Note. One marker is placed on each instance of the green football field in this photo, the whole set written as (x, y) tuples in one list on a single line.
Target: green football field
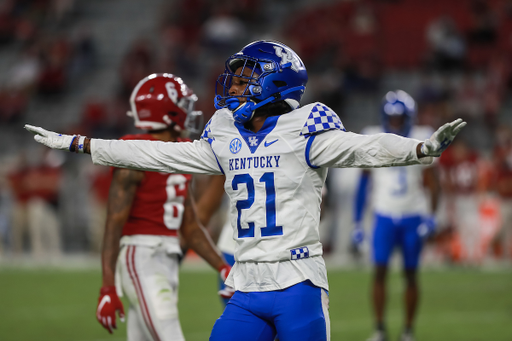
[(460, 304)]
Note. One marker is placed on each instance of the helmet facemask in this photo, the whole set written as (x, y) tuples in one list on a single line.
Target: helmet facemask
[(239, 71)]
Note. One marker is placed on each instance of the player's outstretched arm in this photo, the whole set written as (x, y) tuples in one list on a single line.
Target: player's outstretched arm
[(341, 149), (185, 157)]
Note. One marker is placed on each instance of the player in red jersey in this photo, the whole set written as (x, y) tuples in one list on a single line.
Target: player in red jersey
[(146, 212)]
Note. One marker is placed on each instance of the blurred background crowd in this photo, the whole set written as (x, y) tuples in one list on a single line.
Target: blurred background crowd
[(70, 66)]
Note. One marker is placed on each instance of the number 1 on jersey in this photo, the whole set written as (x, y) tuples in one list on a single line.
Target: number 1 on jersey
[(270, 205), (271, 229)]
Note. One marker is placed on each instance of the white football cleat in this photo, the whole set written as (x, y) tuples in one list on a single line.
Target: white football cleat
[(406, 337), (378, 336)]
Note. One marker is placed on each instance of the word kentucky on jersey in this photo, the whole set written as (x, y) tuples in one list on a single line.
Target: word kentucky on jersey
[(271, 161)]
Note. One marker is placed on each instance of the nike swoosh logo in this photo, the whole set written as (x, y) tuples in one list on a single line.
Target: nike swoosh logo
[(104, 300), (269, 143)]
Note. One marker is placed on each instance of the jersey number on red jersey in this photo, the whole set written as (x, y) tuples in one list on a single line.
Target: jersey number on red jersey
[(174, 206)]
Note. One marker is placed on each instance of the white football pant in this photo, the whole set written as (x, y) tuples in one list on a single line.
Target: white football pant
[(148, 276)]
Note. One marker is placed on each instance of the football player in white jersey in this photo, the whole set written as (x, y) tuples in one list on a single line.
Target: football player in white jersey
[(404, 215), (275, 155)]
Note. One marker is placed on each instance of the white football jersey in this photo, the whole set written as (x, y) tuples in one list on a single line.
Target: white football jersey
[(226, 243), (399, 191), (274, 180)]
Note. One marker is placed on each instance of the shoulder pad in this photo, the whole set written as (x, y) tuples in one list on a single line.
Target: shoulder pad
[(321, 118)]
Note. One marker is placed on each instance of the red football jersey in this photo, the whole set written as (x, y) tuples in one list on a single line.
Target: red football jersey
[(158, 205)]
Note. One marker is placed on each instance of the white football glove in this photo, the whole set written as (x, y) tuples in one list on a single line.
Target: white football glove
[(227, 292), (442, 138), (51, 139)]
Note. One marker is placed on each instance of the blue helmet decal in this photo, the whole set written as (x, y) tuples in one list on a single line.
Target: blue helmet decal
[(268, 71), (398, 104)]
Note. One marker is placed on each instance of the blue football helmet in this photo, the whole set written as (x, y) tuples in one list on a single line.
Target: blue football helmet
[(271, 71), (400, 107)]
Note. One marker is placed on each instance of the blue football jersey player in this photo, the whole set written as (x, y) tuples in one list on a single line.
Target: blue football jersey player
[(275, 155), (404, 212)]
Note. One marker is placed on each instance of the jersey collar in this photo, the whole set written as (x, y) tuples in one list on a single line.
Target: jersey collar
[(252, 139)]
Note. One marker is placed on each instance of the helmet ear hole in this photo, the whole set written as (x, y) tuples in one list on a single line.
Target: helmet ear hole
[(172, 113), (279, 84)]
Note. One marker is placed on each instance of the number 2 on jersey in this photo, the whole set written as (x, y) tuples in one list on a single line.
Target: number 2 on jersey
[(270, 205)]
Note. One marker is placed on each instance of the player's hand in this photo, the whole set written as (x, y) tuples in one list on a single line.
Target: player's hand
[(442, 138), (427, 227), (108, 304), (357, 240), (357, 235), (51, 139), (227, 292)]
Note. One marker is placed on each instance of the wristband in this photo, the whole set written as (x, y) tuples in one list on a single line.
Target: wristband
[(423, 149), (108, 290), (71, 145), (80, 146)]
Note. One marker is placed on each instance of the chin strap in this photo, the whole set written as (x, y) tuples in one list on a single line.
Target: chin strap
[(243, 112)]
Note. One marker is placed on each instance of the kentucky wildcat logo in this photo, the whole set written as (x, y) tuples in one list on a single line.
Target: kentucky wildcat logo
[(288, 57)]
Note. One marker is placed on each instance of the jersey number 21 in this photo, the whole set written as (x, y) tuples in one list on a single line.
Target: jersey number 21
[(270, 203)]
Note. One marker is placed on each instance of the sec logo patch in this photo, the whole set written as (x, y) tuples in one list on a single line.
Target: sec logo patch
[(235, 145)]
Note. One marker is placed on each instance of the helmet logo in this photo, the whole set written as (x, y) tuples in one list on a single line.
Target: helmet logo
[(288, 57), (172, 92), (144, 113), (235, 145), (167, 119)]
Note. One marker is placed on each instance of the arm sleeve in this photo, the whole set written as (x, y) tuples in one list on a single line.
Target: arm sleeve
[(361, 193), (171, 157), (340, 149)]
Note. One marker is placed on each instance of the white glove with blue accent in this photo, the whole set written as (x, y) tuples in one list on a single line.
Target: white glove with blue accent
[(51, 139), (357, 235), (427, 227), (442, 137)]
